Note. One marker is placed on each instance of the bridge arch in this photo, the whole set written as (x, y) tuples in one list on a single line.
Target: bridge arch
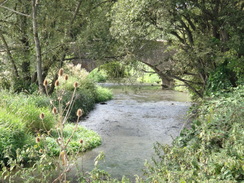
[(152, 53)]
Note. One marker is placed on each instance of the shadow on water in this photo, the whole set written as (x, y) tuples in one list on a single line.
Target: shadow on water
[(130, 124)]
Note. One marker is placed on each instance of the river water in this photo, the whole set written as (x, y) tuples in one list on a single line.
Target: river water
[(130, 124)]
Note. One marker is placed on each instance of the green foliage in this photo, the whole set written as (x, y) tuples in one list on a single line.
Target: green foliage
[(28, 109), (219, 80), (82, 140), (98, 76), (211, 150), (87, 93), (13, 135), (202, 35), (84, 98), (20, 121), (103, 94), (42, 170), (115, 70)]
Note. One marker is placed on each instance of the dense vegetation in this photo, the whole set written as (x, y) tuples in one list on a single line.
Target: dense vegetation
[(35, 125), (212, 150), (204, 44)]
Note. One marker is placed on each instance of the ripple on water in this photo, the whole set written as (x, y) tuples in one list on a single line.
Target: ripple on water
[(129, 126)]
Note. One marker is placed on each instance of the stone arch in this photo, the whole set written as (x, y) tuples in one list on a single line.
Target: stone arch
[(152, 53)]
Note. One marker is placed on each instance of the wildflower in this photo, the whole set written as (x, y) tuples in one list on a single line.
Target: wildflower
[(66, 77), (41, 151), (75, 84), (61, 72), (42, 116), (55, 111), (38, 139), (79, 112), (45, 83), (57, 83)]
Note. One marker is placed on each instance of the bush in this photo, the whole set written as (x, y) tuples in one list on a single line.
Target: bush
[(212, 150), (82, 140), (103, 94), (84, 98), (98, 76), (87, 94)]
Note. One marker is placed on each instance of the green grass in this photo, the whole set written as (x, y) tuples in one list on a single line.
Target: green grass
[(13, 135), (20, 124), (89, 140)]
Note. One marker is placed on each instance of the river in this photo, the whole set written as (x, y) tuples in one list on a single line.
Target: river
[(130, 124)]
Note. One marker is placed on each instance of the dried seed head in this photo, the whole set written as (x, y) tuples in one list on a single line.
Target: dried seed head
[(55, 111), (57, 83), (38, 139), (79, 113), (51, 102), (42, 116), (45, 83), (81, 141), (75, 84), (41, 151), (59, 98), (61, 72), (67, 103), (66, 77)]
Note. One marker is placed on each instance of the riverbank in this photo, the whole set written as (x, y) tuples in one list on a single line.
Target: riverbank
[(36, 128), (212, 150)]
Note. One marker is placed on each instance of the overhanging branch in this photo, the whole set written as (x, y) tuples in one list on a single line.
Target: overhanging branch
[(14, 11)]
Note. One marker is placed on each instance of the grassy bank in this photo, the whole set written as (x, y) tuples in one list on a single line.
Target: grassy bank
[(34, 128)]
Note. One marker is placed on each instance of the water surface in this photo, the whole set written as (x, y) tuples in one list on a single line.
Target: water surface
[(129, 126)]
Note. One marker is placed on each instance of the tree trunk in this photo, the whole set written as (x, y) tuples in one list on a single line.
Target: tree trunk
[(15, 70), (37, 47)]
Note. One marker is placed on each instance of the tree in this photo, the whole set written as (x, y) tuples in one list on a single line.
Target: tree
[(47, 27), (204, 35), (37, 46)]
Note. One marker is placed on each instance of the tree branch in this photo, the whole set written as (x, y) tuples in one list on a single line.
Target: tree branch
[(76, 12), (9, 55), (14, 11)]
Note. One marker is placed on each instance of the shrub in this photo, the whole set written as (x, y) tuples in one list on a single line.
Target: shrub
[(212, 150), (82, 140), (98, 76), (84, 97), (103, 94)]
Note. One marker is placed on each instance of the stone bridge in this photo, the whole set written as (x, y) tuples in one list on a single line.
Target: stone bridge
[(151, 53)]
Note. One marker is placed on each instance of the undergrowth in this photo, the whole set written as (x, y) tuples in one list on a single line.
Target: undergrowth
[(212, 150)]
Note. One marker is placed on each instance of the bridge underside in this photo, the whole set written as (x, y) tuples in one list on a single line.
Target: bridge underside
[(152, 53)]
